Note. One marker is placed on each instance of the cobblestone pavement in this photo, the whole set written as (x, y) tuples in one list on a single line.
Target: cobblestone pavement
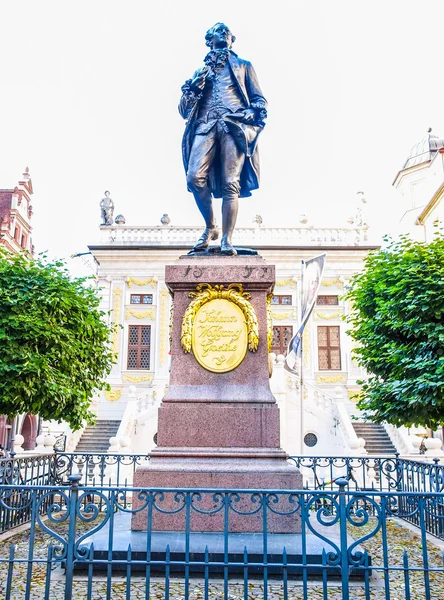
[(399, 539)]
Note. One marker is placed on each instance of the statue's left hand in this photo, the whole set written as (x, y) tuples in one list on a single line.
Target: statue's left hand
[(249, 116)]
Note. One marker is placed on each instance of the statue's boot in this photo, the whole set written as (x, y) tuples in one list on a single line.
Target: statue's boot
[(226, 247), (229, 216), (210, 234), (205, 205)]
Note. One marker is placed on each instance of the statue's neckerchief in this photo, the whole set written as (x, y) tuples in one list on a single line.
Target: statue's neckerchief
[(216, 59)]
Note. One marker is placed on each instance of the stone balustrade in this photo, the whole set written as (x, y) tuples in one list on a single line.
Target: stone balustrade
[(243, 236)]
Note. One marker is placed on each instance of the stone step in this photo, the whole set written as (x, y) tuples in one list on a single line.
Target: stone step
[(96, 449), (368, 425), (376, 429), (95, 438), (377, 440), (374, 435), (100, 437), (104, 425), (371, 442), (102, 432), (91, 441), (371, 431)]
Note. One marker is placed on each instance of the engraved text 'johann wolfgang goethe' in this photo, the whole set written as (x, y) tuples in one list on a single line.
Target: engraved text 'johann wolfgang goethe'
[(220, 337), (214, 335)]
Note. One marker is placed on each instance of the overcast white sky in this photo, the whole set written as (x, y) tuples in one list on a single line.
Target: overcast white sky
[(90, 91)]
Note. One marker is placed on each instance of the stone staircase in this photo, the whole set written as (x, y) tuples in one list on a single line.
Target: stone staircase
[(95, 438), (377, 440)]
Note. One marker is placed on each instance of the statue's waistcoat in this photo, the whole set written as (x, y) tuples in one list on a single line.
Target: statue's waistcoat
[(221, 94)]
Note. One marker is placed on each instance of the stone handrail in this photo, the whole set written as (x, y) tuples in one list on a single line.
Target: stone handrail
[(136, 405), (335, 405), (355, 444), (400, 441), (116, 235), (320, 397), (73, 438), (123, 434)]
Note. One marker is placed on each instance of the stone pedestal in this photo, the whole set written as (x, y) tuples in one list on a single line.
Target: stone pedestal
[(219, 430)]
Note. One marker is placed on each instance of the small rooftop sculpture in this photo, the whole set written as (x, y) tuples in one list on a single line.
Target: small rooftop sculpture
[(107, 209)]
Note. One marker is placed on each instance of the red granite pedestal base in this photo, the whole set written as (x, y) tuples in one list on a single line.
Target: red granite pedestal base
[(219, 430)]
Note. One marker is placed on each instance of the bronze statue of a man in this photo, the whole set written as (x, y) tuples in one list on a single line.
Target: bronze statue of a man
[(225, 112)]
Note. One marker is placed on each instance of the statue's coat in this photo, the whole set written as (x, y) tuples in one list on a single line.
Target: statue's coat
[(245, 135)]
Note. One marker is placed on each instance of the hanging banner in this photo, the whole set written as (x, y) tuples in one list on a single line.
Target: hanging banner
[(311, 282)]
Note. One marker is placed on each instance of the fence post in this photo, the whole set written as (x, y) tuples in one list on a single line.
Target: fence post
[(436, 481), (342, 482), (398, 469), (399, 484), (72, 509), (9, 479)]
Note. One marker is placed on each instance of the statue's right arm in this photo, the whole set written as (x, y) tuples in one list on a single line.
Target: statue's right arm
[(190, 97)]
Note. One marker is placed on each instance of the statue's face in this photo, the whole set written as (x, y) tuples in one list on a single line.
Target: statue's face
[(222, 37)]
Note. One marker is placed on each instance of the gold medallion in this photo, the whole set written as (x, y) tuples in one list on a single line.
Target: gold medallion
[(220, 336)]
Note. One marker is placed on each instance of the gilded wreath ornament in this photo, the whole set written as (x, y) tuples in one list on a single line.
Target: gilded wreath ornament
[(234, 293), (269, 322)]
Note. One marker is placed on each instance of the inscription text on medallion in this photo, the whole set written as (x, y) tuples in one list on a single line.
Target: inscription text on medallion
[(220, 336)]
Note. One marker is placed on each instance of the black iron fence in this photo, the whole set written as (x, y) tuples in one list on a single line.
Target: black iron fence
[(90, 542), (98, 469), (362, 473), (26, 471), (381, 473)]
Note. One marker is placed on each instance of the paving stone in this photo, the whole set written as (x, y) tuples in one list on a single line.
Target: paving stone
[(399, 538)]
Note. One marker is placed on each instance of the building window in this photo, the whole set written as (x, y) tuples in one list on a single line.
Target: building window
[(327, 300), (17, 235), (281, 299), (310, 439), (23, 241), (329, 349), (141, 299), (282, 335), (139, 342)]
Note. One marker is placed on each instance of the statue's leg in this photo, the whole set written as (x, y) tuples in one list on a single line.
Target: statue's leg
[(232, 161), (201, 158)]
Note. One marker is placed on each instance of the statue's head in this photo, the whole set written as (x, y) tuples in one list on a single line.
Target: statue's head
[(219, 36)]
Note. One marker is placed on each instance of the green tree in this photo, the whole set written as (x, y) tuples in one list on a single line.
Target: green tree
[(54, 343), (397, 321)]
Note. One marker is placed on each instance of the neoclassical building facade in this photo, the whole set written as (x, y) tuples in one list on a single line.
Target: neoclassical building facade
[(15, 236), (131, 278)]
